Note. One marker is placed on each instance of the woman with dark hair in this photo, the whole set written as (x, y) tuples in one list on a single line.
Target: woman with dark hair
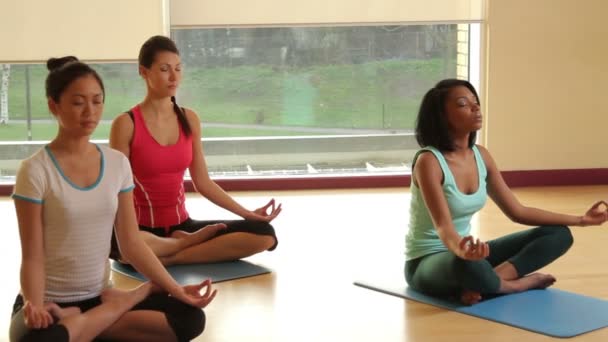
[(162, 140), (68, 196), (451, 179)]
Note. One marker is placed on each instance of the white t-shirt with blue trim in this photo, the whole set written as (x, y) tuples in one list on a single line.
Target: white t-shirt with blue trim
[(77, 222)]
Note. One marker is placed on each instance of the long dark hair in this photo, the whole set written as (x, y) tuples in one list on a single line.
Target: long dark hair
[(63, 71), (147, 54), (431, 123)]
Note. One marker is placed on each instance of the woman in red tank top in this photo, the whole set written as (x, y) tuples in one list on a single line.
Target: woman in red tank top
[(162, 140)]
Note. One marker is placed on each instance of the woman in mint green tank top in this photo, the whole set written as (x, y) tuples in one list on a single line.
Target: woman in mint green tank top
[(451, 179)]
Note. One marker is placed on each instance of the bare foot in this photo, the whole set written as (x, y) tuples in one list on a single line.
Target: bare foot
[(60, 313), (531, 281), (539, 280), (166, 260), (122, 298), (112, 294), (468, 297), (199, 236), (123, 261)]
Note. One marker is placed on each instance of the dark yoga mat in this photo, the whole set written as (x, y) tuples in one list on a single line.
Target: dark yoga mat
[(195, 273)]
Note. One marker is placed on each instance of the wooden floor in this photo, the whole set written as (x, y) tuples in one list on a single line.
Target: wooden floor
[(328, 239)]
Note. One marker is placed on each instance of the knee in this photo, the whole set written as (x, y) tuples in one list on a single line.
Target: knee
[(564, 237), (559, 236), (265, 231), (476, 275), (465, 270), (197, 326), (55, 332), (463, 266), (189, 324), (194, 325), (268, 243), (266, 239)]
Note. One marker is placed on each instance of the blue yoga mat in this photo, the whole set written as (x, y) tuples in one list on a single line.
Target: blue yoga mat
[(550, 312), (195, 273)]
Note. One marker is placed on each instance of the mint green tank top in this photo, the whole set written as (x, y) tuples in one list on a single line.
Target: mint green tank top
[(422, 238)]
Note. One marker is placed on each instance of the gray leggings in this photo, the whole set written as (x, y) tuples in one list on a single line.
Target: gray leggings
[(445, 274)]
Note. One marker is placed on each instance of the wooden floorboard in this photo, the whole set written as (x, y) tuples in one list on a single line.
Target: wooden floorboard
[(328, 239)]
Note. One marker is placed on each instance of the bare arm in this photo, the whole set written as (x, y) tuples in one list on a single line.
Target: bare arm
[(121, 134), (135, 249), (200, 175), (429, 178), (502, 195), (143, 259), (29, 216)]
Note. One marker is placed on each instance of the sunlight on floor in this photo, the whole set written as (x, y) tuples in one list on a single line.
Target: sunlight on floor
[(327, 240)]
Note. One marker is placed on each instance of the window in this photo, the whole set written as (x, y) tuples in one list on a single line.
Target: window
[(315, 100), (25, 121), (275, 101)]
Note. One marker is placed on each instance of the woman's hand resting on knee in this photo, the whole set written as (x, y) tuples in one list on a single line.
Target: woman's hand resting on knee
[(191, 294), (596, 215), (471, 249), (262, 214), (36, 317)]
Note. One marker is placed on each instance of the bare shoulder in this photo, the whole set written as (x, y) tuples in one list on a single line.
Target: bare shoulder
[(484, 151), (426, 159), (192, 116), (487, 157), (427, 165), (193, 120), (123, 121), (121, 132)]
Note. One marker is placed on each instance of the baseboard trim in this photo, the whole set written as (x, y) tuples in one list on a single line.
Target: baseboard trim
[(310, 183), (521, 178), (556, 177)]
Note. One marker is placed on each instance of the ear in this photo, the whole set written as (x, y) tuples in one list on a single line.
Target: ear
[(143, 72), (53, 106)]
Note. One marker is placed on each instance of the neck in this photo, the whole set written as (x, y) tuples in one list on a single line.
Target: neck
[(461, 143), (158, 106), (70, 144)]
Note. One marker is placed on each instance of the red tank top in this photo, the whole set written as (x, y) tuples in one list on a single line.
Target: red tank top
[(158, 173)]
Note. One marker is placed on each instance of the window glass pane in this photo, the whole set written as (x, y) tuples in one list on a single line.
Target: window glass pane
[(26, 98), (352, 91), (26, 122), (328, 80), (275, 101)]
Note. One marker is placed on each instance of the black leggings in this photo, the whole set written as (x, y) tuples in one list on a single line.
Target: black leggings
[(445, 274), (190, 226), (186, 321)]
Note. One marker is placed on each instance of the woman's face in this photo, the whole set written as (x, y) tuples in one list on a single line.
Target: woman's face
[(462, 111), (164, 75), (80, 106)]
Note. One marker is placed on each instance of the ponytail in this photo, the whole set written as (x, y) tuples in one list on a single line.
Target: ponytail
[(181, 117)]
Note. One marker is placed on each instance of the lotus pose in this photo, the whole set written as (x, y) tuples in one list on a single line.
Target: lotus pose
[(451, 179), (162, 140), (68, 196)]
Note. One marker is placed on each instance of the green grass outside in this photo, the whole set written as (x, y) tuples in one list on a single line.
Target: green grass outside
[(42, 131), (123, 87), (374, 95)]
